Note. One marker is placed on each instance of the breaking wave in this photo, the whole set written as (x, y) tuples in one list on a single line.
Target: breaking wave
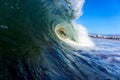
[(39, 40)]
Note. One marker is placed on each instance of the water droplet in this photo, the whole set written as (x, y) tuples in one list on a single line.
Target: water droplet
[(6, 4), (3, 26), (18, 7), (12, 7)]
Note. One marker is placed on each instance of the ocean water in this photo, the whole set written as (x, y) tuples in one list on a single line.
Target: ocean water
[(104, 60), (40, 40)]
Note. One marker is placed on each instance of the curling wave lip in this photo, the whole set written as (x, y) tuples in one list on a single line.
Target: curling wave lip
[(74, 35), (76, 6)]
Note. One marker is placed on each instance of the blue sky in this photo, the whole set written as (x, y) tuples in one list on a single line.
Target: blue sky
[(101, 16)]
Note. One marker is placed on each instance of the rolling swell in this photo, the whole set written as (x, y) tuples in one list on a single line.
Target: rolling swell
[(33, 44)]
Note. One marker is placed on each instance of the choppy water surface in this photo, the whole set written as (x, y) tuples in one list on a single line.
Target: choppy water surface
[(109, 50), (104, 60)]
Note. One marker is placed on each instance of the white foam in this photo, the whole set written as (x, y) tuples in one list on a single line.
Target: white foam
[(75, 35), (76, 6), (82, 36)]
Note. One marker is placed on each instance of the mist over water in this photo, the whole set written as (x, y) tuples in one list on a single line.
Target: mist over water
[(39, 40)]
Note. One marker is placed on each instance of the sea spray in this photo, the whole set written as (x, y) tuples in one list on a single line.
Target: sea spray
[(82, 36), (74, 35), (39, 43), (30, 48), (76, 7)]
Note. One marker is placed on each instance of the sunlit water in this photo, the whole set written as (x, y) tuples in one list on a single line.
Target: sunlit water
[(39, 40), (109, 50), (104, 60)]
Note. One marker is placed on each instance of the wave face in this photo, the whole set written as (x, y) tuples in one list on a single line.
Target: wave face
[(40, 41)]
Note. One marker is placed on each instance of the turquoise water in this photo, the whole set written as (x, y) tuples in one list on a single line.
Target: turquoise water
[(39, 40)]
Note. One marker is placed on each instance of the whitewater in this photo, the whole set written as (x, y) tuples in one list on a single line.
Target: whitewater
[(40, 40)]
